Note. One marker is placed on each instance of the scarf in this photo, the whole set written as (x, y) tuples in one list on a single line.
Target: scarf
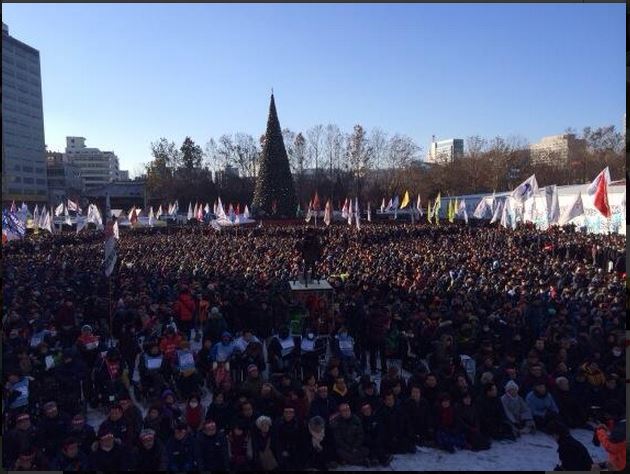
[(317, 438), (113, 368), (193, 416)]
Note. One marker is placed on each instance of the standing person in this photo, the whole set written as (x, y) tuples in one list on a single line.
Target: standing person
[(212, 448), (349, 438), (573, 455), (263, 456), (185, 309), (378, 325), (71, 458)]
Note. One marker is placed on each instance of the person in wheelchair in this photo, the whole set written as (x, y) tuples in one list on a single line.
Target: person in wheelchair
[(343, 349), (312, 348), (154, 371), (284, 352)]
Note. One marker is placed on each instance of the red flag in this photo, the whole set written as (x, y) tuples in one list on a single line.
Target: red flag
[(238, 208), (134, 216), (316, 202), (601, 198)]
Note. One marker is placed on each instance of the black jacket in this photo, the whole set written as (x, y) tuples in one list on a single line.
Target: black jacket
[(212, 452), (118, 459), (418, 417), (573, 455)]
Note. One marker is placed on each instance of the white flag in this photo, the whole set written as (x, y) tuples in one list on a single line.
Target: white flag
[(220, 211), (357, 213), (369, 213), (246, 212), (67, 215), (47, 222), (110, 256), (171, 206), (497, 212), (59, 210), (151, 216), (36, 216), (481, 211), (526, 189), (350, 212), (327, 213), (309, 212), (159, 212), (190, 211), (383, 206), (42, 218), (573, 210), (115, 230), (553, 205), (344, 210), (461, 212)]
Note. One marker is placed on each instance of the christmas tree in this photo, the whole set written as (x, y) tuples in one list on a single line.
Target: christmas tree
[(274, 193)]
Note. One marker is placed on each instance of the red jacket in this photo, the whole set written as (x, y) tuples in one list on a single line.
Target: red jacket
[(184, 307)]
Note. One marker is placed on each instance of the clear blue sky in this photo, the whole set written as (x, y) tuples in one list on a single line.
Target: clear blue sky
[(123, 75)]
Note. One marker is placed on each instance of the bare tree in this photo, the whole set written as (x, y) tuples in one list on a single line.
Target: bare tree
[(333, 147), (211, 155), (245, 154), (314, 136), (299, 150), (359, 155)]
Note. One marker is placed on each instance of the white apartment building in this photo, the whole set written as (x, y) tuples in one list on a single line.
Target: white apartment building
[(98, 168)]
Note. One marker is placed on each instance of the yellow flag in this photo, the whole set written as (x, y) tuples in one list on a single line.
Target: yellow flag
[(405, 200)]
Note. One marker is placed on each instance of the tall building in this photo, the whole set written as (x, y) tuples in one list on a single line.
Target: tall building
[(98, 168), (445, 151), (23, 146), (558, 150)]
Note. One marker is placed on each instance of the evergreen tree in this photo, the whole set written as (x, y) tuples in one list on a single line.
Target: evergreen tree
[(274, 184)]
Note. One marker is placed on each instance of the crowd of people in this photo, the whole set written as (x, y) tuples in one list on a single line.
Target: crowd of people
[(452, 337)]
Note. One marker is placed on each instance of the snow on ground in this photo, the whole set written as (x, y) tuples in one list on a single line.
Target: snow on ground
[(533, 452)]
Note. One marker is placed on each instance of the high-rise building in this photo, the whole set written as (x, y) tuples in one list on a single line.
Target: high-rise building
[(23, 146), (445, 151), (64, 178), (558, 150), (98, 168)]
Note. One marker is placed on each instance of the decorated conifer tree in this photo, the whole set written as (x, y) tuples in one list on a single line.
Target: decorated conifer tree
[(274, 193)]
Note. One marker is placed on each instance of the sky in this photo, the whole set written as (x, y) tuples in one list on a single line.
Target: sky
[(124, 75)]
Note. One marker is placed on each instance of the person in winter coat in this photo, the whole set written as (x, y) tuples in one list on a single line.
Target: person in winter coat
[(156, 421), (131, 414), (239, 447), (449, 432), (264, 458), (269, 401), (349, 438), (494, 422), (542, 405), (52, 430), (69, 374), (119, 426), (83, 433), (573, 455), (288, 441), (212, 448), (150, 455), (193, 413), (219, 411), (108, 455), (283, 352), (18, 439), (468, 415), (71, 458), (417, 413), (320, 447), (323, 405), (30, 460), (185, 308), (180, 450), (614, 443), (396, 435), (373, 436), (572, 414), (516, 410), (377, 327)]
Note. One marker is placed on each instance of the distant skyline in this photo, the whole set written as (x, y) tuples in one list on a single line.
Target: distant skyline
[(124, 75)]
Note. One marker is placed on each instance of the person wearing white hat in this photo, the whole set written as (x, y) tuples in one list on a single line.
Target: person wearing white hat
[(517, 411)]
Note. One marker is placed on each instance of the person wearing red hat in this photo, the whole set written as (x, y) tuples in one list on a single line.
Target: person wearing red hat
[(16, 440), (109, 455), (150, 454)]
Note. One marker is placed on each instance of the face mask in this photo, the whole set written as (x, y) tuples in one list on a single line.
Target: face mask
[(310, 335), (616, 352), (194, 404)]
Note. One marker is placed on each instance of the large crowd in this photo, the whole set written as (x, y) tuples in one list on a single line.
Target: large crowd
[(452, 337)]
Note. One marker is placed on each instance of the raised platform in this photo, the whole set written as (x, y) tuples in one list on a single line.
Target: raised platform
[(315, 285)]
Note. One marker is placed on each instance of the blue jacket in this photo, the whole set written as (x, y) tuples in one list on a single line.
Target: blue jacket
[(540, 406)]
